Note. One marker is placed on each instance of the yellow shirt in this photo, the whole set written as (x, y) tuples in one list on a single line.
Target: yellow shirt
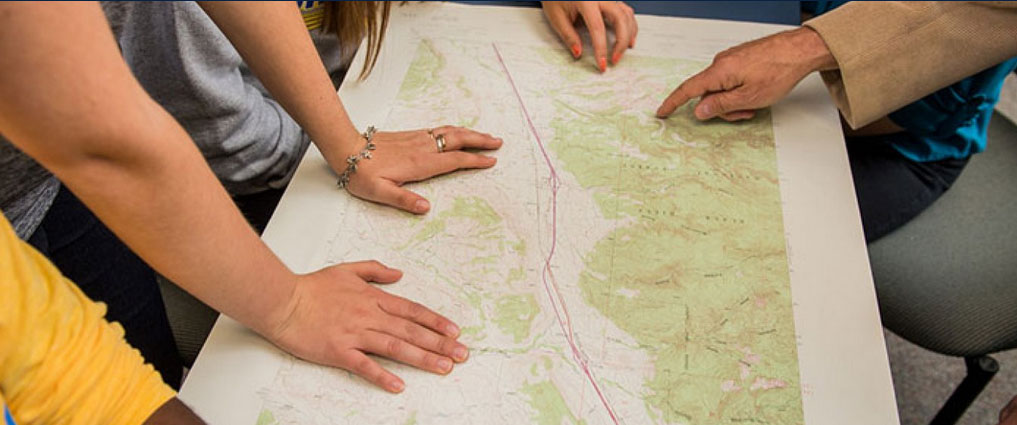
[(60, 361)]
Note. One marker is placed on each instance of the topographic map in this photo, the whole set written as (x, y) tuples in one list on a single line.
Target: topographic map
[(613, 268)]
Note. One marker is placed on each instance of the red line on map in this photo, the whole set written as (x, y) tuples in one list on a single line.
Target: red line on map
[(561, 311)]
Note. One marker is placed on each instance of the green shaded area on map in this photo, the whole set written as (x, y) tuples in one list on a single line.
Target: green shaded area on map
[(696, 270), (547, 400)]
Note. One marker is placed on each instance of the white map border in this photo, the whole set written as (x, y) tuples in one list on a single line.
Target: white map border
[(842, 355)]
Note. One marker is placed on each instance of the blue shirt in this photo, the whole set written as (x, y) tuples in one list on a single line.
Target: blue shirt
[(950, 123), (8, 419)]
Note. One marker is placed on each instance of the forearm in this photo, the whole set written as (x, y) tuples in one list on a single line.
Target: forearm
[(76, 109), (166, 204), (893, 53), (274, 42), (174, 412)]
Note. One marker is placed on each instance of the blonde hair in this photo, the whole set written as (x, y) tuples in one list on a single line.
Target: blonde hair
[(351, 21)]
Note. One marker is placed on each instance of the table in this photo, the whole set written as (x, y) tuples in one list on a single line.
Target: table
[(841, 354)]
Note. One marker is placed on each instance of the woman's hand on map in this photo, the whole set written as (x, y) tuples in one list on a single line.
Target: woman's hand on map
[(564, 15), (335, 317), (408, 156), (751, 76)]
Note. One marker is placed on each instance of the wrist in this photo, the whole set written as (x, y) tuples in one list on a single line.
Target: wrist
[(340, 145), (287, 302), (817, 55)]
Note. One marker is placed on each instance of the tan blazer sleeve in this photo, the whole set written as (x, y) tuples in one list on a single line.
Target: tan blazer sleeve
[(893, 53)]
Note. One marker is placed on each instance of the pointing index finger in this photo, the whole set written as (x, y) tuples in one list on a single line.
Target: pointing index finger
[(694, 87)]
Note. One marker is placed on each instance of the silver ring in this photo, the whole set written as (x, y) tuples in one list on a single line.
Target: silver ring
[(440, 141)]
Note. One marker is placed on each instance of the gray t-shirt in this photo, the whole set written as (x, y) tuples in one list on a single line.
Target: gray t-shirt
[(190, 68), (26, 189)]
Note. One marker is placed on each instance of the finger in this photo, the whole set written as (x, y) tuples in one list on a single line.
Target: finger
[(694, 87), (457, 138), (372, 271), (619, 20), (388, 346), (738, 115), (410, 310), (388, 193), (720, 103), (562, 25), (635, 25), (427, 339), (359, 364), (598, 35), (450, 161)]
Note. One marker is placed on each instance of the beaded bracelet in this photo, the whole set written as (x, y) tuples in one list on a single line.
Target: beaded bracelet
[(352, 160)]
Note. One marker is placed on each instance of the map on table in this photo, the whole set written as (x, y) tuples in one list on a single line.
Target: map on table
[(612, 268)]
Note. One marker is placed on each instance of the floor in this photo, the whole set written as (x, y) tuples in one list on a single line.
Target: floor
[(923, 380)]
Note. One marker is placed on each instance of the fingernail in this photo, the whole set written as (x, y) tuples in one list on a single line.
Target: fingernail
[(602, 63), (616, 58), (460, 353), (451, 330), (396, 386), (422, 205), (444, 365), (576, 50)]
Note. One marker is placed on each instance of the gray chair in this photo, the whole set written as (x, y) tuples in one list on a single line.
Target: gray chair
[(947, 281)]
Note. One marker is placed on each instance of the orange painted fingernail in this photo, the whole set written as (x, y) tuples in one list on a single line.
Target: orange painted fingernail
[(576, 50), (602, 63), (616, 58)]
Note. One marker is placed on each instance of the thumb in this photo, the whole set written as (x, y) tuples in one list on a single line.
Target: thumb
[(388, 193), (720, 103)]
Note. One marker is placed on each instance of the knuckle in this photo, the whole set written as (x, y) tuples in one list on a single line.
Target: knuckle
[(363, 366), (415, 310), (412, 331), (446, 345), (393, 347)]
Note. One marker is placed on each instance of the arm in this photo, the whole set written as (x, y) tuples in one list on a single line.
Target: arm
[(283, 57), (751, 76), (875, 57), (60, 361), (173, 412), (890, 54), (75, 108)]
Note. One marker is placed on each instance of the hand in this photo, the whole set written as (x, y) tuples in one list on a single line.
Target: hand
[(409, 156), (336, 318), (563, 14), (753, 75), (1008, 416)]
